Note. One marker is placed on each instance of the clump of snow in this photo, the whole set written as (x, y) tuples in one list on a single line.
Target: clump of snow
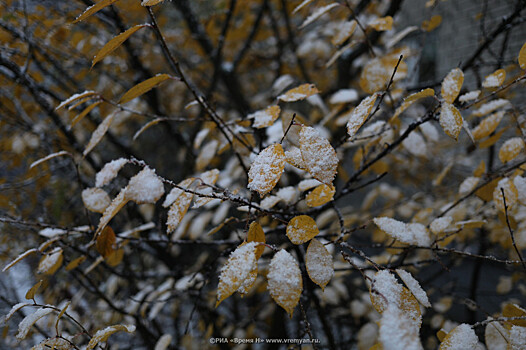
[(50, 232), (95, 199), (398, 331), (109, 171), (413, 233), (145, 187), (415, 288)]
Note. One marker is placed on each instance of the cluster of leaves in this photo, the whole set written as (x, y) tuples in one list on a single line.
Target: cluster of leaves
[(279, 140)]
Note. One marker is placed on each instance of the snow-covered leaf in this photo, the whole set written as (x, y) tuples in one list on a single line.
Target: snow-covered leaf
[(359, 115), (207, 153), (236, 270), (319, 157), (93, 9), (265, 117), (320, 195), (301, 229), (495, 79), (318, 13), (53, 344), (382, 23), (378, 71), (51, 262), (398, 331), (116, 204), (103, 334), (511, 149), (510, 192), (266, 169), (19, 258), (151, 3), (298, 93), (256, 234), (178, 210), (319, 263), (95, 199), (452, 84), (414, 287), (32, 291), (343, 32), (25, 325), (145, 187), (487, 125), (409, 100), (489, 107), (284, 281), (461, 337), (109, 171), (51, 156), (450, 120), (99, 133)]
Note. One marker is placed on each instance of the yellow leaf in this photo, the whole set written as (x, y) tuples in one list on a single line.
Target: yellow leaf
[(487, 126), (115, 257), (383, 23), (452, 84), (441, 334), (522, 57), (99, 133), (298, 93), (343, 32), (301, 229), (495, 79), (62, 312), (249, 282), (147, 126), (461, 334), (51, 262), (266, 117), (144, 87), (19, 258), (266, 169), (284, 281), (510, 192), (409, 100), (116, 204), (514, 310), (359, 115), (450, 120), (32, 291), (93, 9), (178, 210), (256, 234), (319, 263), (490, 141), (115, 43), (319, 157), (103, 334), (511, 149), (76, 97), (84, 113), (429, 25), (236, 270), (75, 263), (105, 242), (320, 195)]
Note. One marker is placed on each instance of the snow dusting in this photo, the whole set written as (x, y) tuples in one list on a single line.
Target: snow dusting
[(318, 155), (319, 263), (359, 115)]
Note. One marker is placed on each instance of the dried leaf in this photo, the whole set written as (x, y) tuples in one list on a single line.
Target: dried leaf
[(103, 334), (319, 157), (266, 169), (409, 100), (99, 133), (298, 93), (320, 195), (144, 87), (511, 149), (236, 270), (51, 156), (75, 263), (319, 263), (94, 9), (284, 281), (301, 229), (32, 291), (105, 242), (115, 43), (256, 234), (115, 257), (450, 120), (359, 115), (266, 117), (452, 84)]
